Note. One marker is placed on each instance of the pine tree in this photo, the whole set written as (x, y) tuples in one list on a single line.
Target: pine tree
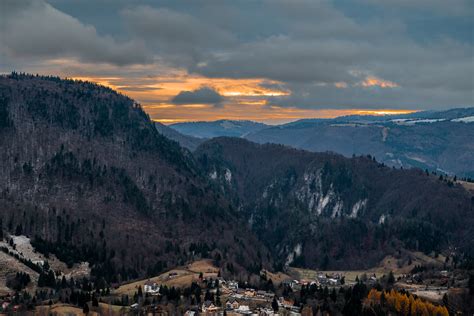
[(471, 284), (85, 309), (95, 302), (333, 295), (275, 304), (391, 278)]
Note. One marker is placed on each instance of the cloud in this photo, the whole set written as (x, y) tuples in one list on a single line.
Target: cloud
[(310, 96), (442, 7), (177, 37), (203, 95), (408, 54), (35, 29)]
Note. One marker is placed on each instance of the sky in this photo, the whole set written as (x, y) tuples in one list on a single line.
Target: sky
[(272, 61)]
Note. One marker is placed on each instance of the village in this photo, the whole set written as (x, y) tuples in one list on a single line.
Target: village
[(231, 297), (198, 288)]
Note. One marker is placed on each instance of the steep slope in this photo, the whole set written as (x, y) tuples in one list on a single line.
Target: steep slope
[(185, 141), (86, 174), (324, 210), (429, 140), (218, 128)]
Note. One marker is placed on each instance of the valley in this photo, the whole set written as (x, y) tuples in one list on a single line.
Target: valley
[(210, 293)]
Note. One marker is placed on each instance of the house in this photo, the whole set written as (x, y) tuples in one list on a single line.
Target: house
[(38, 262), (233, 285), (288, 305), (238, 296), (250, 293), (332, 281), (172, 275), (294, 284), (151, 288), (267, 312), (244, 309), (209, 307), (232, 304), (5, 305)]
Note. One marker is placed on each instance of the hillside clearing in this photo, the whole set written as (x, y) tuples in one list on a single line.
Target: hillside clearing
[(178, 277)]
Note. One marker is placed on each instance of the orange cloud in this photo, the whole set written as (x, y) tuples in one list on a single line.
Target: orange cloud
[(340, 85), (245, 99), (372, 81), (166, 87)]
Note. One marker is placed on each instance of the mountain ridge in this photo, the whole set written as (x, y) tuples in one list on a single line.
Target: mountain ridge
[(204, 129), (295, 200), (438, 141), (86, 174)]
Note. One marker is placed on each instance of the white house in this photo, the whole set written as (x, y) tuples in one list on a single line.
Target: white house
[(151, 288)]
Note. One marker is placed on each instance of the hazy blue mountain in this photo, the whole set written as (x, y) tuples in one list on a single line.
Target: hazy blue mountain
[(442, 141), (185, 141), (229, 128)]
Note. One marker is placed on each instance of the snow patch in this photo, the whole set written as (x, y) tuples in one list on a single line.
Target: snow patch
[(357, 207), (323, 202), (336, 210), (416, 158), (228, 175), (213, 175), (413, 122), (384, 134), (467, 119)]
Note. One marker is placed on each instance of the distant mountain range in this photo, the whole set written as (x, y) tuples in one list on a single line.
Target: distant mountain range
[(230, 128), (439, 141), (187, 141), (89, 177)]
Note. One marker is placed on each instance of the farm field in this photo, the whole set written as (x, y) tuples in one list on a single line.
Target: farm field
[(66, 310), (177, 277)]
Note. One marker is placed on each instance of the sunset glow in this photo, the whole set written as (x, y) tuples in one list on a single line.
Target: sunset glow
[(245, 100), (372, 81)]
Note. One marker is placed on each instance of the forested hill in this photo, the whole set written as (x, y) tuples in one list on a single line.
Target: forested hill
[(86, 174), (323, 210)]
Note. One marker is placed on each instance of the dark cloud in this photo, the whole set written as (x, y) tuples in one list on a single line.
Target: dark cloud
[(372, 97), (320, 51), (204, 95), (35, 29), (177, 37), (440, 7)]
